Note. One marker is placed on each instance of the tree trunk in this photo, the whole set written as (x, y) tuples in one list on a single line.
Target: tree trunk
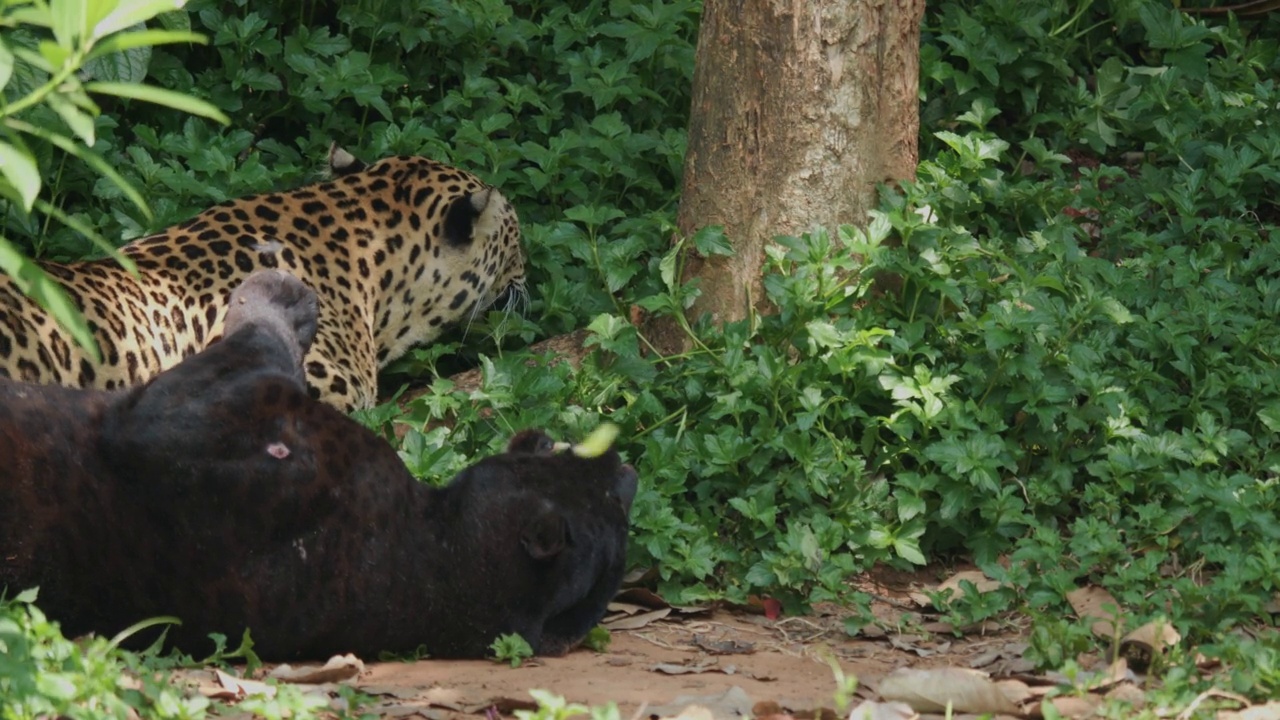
[(799, 108)]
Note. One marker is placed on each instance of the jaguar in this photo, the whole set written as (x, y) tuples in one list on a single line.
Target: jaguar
[(220, 492), (396, 251)]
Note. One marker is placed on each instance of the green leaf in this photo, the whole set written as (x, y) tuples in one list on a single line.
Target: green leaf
[(21, 171), (87, 231), (37, 15), (1118, 313), (80, 122), (710, 240), (67, 21), (175, 20), (160, 96), (667, 267), (129, 66), (32, 280), (1270, 416), (909, 549), (90, 157), (145, 38), (55, 55), (598, 639), (56, 686), (6, 64), (133, 12)]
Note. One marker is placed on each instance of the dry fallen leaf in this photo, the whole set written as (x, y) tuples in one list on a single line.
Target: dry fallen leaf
[(691, 669), (634, 622), (1128, 693), (394, 691), (912, 643), (723, 647), (871, 710), (1190, 710), (1097, 604), (1075, 706), (1269, 711), (1017, 691), (1148, 642), (625, 608), (693, 712), (337, 669), (731, 704), (967, 691), (239, 688), (502, 706), (706, 665), (980, 581)]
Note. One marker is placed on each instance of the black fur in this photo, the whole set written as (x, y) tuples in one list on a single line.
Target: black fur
[(221, 493), (460, 217)]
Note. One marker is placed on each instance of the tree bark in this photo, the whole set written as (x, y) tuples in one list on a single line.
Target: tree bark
[(800, 107)]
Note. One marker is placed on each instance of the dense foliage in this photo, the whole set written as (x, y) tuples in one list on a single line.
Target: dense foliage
[(1067, 371), (1054, 352)]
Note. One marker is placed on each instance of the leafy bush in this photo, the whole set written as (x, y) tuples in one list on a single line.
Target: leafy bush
[(1053, 352)]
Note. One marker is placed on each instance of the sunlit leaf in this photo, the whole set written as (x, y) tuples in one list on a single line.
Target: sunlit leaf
[(21, 172), (55, 55), (67, 21), (80, 122), (145, 38), (160, 96), (132, 12), (667, 267), (6, 64)]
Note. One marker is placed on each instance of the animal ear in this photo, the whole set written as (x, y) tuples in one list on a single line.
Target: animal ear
[(546, 535), (534, 442), (342, 162), (624, 486), (466, 213)]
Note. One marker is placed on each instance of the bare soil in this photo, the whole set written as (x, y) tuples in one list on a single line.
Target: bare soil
[(653, 671)]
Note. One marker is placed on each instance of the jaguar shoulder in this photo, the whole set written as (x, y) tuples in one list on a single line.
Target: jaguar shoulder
[(396, 251)]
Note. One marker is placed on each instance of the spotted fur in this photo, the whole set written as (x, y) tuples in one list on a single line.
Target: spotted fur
[(396, 251)]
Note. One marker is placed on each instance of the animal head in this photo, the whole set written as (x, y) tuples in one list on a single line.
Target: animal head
[(552, 528), (450, 243)]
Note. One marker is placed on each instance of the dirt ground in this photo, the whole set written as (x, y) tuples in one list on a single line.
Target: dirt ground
[(724, 660)]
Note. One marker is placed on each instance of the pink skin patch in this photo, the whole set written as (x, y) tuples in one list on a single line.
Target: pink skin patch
[(278, 450)]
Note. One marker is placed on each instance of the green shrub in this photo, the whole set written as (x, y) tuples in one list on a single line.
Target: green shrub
[(1075, 370)]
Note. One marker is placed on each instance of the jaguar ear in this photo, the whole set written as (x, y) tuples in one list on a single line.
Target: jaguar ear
[(477, 214), (534, 442), (545, 535), (342, 162)]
